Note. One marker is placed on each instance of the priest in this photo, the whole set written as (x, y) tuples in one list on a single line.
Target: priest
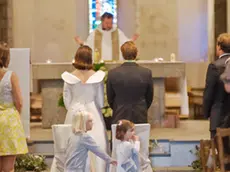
[(106, 39)]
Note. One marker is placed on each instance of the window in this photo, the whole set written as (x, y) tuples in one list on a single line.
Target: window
[(97, 8)]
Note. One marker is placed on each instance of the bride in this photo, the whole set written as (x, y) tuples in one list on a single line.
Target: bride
[(84, 90)]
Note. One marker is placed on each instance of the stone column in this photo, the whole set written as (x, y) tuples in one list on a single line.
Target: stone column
[(10, 22), (228, 16), (220, 18), (157, 108), (51, 113), (211, 30), (3, 20), (6, 22)]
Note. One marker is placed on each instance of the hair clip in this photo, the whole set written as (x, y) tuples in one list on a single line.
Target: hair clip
[(120, 123)]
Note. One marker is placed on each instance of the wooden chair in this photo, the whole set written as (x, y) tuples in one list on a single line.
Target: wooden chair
[(205, 147), (196, 102), (172, 96), (214, 154), (223, 157)]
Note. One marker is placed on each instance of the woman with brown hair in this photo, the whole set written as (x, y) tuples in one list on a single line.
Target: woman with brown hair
[(83, 90), (12, 137)]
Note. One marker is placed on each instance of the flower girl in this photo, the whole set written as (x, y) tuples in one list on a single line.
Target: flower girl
[(127, 150), (80, 143)]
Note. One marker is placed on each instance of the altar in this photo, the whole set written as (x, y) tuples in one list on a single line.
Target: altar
[(49, 77)]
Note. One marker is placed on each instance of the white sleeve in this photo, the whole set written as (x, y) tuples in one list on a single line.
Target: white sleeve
[(67, 97), (90, 40), (91, 145), (137, 145), (100, 94)]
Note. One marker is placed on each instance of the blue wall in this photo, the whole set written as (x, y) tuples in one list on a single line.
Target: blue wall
[(173, 153)]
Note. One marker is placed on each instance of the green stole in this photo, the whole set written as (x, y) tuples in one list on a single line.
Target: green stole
[(115, 44)]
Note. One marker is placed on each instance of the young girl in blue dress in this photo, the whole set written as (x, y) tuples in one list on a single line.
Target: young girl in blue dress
[(80, 143), (127, 151)]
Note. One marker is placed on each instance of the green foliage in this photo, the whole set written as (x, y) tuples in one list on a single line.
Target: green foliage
[(196, 164), (106, 110), (61, 101), (153, 144), (30, 162), (99, 66)]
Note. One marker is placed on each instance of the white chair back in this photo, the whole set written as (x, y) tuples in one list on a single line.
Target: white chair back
[(61, 134)]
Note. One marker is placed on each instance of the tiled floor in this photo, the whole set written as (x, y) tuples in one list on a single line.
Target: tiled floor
[(188, 130)]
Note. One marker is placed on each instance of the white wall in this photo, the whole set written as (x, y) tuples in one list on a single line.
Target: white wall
[(183, 27), (193, 30), (20, 64), (47, 27)]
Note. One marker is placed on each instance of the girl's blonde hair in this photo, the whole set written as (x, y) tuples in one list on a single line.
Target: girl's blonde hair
[(79, 121)]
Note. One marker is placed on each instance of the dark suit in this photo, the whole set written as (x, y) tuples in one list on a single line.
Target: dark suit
[(130, 92), (216, 101)]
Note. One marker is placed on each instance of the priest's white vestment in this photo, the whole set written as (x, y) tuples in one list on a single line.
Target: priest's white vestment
[(108, 43)]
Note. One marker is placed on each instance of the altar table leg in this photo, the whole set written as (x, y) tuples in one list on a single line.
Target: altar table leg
[(51, 113), (157, 109)]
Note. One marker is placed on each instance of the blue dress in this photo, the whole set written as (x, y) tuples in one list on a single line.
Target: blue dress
[(128, 156), (76, 153)]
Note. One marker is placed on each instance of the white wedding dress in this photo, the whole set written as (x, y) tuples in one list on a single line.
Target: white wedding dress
[(87, 96)]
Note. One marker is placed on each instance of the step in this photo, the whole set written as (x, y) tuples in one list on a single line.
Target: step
[(173, 153), (35, 96), (163, 147), (168, 169), (36, 104), (45, 146)]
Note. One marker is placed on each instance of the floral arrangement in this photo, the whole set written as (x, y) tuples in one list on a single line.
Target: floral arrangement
[(30, 162), (196, 164), (106, 110)]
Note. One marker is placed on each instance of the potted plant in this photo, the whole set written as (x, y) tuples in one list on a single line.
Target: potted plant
[(30, 162), (196, 164)]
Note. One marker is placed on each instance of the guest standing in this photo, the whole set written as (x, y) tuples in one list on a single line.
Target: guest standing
[(12, 137), (216, 99), (130, 88)]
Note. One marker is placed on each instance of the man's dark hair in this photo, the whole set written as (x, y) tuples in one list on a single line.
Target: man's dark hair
[(106, 15)]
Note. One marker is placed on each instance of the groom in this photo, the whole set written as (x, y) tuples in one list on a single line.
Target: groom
[(130, 88)]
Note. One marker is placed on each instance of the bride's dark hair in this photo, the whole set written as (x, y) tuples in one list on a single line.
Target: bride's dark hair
[(83, 58)]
